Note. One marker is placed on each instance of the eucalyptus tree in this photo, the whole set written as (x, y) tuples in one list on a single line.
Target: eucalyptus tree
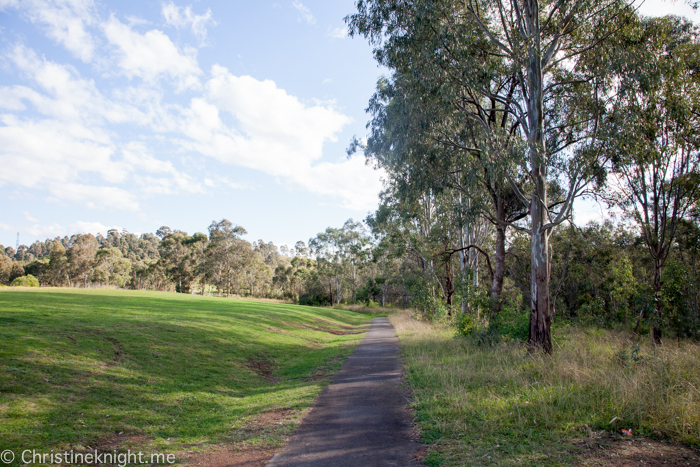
[(81, 255), (653, 135), (420, 225), (180, 255), (544, 48), (110, 267), (457, 142), (330, 249), (226, 254)]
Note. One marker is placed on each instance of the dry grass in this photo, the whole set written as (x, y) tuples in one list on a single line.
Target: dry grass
[(499, 405), (374, 310)]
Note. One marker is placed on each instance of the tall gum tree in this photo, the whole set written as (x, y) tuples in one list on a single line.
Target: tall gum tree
[(653, 135), (545, 45)]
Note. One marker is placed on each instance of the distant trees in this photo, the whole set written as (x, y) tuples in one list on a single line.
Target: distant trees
[(81, 255), (653, 136)]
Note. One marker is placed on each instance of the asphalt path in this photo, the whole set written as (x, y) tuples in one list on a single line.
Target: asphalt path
[(359, 419)]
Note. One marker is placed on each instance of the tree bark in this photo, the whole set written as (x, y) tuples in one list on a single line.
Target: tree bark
[(499, 272), (655, 320), (540, 320)]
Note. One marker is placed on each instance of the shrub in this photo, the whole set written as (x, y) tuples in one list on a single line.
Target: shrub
[(25, 281)]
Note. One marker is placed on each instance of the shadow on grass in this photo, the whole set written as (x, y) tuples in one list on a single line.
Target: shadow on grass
[(78, 368)]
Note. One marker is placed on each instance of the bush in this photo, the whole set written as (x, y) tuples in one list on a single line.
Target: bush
[(314, 300), (25, 281)]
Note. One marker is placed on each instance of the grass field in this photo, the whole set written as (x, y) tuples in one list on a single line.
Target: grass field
[(165, 372), (496, 405)]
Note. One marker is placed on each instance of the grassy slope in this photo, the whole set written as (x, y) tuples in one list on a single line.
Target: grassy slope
[(158, 370), (481, 405)]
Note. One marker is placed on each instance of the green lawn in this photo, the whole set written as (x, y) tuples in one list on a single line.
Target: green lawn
[(159, 371)]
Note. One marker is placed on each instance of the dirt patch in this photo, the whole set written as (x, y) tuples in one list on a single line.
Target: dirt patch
[(241, 453), (263, 368), (328, 330), (313, 344), (613, 451), (119, 354), (117, 441), (118, 350), (343, 326), (272, 418), (229, 456)]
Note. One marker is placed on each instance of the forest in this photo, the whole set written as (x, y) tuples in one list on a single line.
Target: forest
[(486, 140)]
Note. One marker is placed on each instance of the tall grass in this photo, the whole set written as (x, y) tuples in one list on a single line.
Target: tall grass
[(498, 405)]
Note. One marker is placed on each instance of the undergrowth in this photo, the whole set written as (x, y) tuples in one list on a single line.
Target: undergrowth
[(480, 402)]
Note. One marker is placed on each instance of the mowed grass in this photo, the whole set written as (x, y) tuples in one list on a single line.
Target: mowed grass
[(161, 372), (480, 405)]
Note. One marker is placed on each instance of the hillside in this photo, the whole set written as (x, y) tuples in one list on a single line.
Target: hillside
[(164, 372)]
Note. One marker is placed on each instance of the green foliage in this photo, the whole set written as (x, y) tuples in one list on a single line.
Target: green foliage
[(25, 281)]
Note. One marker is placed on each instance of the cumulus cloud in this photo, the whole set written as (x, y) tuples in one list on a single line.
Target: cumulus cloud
[(152, 55), (274, 131), (277, 134), (61, 133), (57, 153), (355, 183), (304, 14), (68, 96), (66, 22), (83, 227), (184, 18)]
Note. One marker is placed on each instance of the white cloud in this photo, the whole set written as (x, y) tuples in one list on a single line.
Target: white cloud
[(46, 151), (274, 132), (304, 12), (357, 184), (327, 81), (72, 98), (94, 196), (338, 33), (152, 55), (47, 231), (183, 17), (64, 21), (59, 153), (277, 134), (60, 135)]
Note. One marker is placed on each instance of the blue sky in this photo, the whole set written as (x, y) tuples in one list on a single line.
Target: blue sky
[(137, 114), (141, 114)]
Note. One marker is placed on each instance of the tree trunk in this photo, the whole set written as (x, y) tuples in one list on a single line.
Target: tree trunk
[(540, 320), (656, 319), (462, 257), (330, 290), (499, 272), (695, 299)]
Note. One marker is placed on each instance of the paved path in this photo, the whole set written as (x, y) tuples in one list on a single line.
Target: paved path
[(359, 419)]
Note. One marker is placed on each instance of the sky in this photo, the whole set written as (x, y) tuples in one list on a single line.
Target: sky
[(141, 114)]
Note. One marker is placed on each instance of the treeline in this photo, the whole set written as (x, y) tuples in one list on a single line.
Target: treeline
[(602, 272), (332, 269)]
